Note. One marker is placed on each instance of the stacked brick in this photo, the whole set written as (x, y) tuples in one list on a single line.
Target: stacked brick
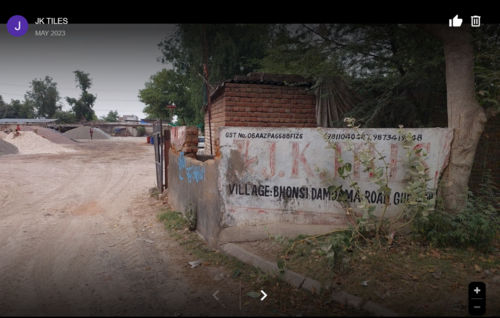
[(259, 105), (184, 139)]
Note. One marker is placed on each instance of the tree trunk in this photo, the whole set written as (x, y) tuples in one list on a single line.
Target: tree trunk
[(465, 116)]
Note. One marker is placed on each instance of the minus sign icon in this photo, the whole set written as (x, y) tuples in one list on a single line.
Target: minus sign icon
[(477, 307)]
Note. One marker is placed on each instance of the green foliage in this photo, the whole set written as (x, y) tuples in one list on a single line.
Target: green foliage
[(476, 225), (65, 117), (397, 70), (487, 66), (82, 107), (364, 224), (173, 220), (228, 49), (141, 131), (112, 116), (167, 87), (192, 217), (16, 109), (44, 97), (335, 248), (297, 50)]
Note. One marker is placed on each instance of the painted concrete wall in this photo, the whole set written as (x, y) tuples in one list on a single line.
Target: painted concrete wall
[(192, 184), (281, 175), (275, 180)]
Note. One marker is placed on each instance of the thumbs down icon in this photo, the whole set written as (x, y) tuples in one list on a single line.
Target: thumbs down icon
[(456, 22)]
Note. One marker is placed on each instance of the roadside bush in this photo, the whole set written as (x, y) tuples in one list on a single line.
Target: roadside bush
[(476, 225), (141, 131)]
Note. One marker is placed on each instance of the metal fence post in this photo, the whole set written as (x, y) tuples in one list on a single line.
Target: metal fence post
[(166, 134)]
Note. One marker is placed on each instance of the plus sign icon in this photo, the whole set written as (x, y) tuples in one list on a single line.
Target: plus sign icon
[(477, 298), (17, 25)]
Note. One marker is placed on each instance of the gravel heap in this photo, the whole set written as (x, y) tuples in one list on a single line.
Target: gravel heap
[(84, 133), (50, 134), (7, 148), (30, 143), (2, 135)]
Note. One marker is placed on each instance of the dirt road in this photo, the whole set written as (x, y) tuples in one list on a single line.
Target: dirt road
[(79, 236)]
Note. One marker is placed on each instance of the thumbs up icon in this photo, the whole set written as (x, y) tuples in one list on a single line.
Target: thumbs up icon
[(456, 22)]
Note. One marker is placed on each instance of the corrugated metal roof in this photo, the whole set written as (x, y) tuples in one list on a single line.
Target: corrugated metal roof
[(26, 120)]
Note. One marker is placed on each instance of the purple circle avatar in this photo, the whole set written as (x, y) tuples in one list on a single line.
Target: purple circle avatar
[(17, 25)]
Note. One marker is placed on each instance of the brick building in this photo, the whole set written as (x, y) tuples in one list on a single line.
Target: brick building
[(270, 100), (260, 100)]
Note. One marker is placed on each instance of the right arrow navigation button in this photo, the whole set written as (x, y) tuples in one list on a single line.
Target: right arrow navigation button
[(263, 297)]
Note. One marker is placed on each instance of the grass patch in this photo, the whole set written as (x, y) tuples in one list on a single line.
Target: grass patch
[(178, 227), (154, 192)]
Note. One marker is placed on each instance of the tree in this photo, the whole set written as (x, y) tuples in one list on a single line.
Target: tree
[(169, 87), (5, 109), (65, 117), (16, 109), (112, 116), (228, 49), (22, 109), (465, 116), (403, 77), (44, 97), (394, 69), (82, 107)]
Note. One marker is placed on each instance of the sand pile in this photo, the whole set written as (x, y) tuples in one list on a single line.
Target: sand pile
[(7, 148), (84, 133), (30, 143), (50, 134)]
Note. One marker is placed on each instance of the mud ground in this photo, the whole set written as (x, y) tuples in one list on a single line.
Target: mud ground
[(79, 236)]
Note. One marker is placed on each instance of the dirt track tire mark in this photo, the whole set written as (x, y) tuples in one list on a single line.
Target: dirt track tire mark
[(54, 262)]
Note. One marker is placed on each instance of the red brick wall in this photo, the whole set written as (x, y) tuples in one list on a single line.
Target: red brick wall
[(218, 120), (256, 105), (184, 138)]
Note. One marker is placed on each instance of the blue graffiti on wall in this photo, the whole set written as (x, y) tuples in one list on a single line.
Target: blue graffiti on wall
[(195, 173)]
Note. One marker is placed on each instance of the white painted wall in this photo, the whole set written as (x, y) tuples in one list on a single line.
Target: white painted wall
[(257, 163)]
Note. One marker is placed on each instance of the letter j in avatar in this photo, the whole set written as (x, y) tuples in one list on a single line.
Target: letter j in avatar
[(17, 25)]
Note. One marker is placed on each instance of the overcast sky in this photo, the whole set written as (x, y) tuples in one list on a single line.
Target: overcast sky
[(120, 58)]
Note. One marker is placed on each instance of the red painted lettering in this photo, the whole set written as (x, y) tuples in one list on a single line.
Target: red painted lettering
[(296, 157), (272, 161), (243, 146)]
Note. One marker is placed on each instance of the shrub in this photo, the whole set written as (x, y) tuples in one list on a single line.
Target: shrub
[(141, 131), (476, 225)]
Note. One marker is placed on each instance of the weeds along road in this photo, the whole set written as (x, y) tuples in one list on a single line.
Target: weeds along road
[(78, 236)]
